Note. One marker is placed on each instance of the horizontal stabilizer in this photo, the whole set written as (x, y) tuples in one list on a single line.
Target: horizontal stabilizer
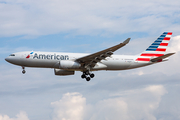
[(161, 57)]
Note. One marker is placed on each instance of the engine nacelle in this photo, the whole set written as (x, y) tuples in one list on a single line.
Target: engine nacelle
[(67, 64), (63, 72)]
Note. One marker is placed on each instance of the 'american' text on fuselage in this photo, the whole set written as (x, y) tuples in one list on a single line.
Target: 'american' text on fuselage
[(51, 57)]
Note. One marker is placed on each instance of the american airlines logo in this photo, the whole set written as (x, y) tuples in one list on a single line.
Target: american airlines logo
[(51, 57), (29, 55)]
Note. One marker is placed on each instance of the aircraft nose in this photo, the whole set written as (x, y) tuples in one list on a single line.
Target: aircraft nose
[(13, 60), (7, 59)]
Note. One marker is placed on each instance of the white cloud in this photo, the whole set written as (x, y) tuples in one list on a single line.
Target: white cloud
[(21, 116), (174, 44), (156, 90), (28, 17), (70, 107), (109, 109), (133, 105), (136, 72)]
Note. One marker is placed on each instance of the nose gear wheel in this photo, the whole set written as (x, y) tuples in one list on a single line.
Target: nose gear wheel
[(23, 71)]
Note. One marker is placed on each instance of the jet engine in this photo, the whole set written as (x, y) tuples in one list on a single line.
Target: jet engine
[(66, 64), (63, 72)]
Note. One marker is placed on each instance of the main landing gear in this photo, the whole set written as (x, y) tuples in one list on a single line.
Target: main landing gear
[(87, 75), (23, 71)]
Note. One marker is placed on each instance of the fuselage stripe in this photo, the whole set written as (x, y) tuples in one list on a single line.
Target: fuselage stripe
[(143, 59)]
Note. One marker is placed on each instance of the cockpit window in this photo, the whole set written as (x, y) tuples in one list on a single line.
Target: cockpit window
[(12, 55)]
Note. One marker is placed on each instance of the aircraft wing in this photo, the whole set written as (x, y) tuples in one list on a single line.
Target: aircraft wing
[(92, 59), (161, 57)]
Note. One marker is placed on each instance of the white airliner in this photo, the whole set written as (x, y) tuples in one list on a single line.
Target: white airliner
[(68, 63)]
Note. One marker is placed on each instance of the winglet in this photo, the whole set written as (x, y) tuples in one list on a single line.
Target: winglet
[(161, 57), (126, 41)]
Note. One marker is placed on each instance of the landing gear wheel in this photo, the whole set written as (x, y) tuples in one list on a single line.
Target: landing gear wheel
[(23, 71), (88, 79), (92, 75), (86, 73), (83, 76)]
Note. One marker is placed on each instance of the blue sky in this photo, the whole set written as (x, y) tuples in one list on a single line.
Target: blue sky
[(82, 26)]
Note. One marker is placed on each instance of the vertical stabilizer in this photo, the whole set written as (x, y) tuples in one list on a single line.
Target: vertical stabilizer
[(157, 48)]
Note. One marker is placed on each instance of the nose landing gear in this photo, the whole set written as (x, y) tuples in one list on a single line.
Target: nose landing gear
[(23, 71), (87, 75)]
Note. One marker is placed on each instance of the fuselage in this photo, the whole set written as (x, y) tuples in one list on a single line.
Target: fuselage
[(54, 59)]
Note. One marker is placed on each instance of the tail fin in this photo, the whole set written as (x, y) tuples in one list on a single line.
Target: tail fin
[(157, 48)]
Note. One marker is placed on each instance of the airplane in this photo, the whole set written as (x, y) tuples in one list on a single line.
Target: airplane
[(67, 63)]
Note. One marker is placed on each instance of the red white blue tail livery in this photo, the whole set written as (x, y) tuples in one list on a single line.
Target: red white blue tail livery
[(68, 63), (157, 48)]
